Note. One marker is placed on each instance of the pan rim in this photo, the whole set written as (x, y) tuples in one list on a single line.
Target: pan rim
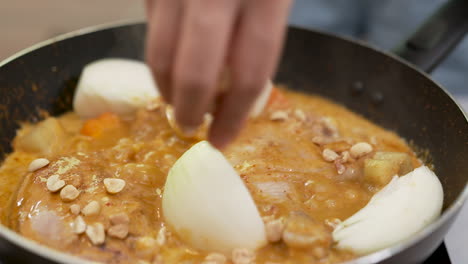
[(375, 257)]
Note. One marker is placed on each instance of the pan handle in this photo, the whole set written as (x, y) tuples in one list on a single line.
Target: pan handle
[(436, 37)]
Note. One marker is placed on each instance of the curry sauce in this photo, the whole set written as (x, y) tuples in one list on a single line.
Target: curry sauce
[(303, 160)]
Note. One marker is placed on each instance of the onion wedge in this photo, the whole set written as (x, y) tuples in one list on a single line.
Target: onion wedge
[(207, 204), (120, 86), (401, 209)]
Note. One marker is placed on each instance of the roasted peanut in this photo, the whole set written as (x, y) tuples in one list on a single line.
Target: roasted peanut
[(69, 193), (54, 183), (75, 209), (279, 116), (274, 229), (79, 225), (360, 149), (329, 155), (38, 164), (120, 218), (96, 233), (118, 231), (114, 185), (92, 208)]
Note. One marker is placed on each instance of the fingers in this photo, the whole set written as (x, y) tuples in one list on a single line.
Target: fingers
[(200, 56), (149, 4), (254, 55), (187, 46), (164, 18)]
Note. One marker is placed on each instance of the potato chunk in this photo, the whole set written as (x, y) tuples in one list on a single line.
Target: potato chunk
[(380, 169), (45, 138)]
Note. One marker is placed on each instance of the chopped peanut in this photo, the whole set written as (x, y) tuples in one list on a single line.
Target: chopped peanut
[(75, 209), (329, 155), (360, 149), (161, 237), (79, 225), (279, 116), (96, 233), (274, 230), (300, 115), (338, 145), (322, 140), (326, 127), (345, 156), (243, 256), (118, 231), (120, 218), (332, 222), (340, 168), (114, 185), (69, 193), (215, 258), (54, 183), (92, 208), (153, 105), (38, 164)]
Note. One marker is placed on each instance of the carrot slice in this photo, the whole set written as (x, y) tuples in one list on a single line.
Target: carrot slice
[(277, 98), (96, 126)]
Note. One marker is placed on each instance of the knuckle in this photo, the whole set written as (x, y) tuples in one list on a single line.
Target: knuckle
[(158, 65), (250, 87), (228, 129), (159, 59), (191, 83)]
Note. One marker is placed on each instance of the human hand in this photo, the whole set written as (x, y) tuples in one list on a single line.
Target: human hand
[(191, 42)]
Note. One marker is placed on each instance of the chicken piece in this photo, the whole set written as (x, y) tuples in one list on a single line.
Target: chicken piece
[(302, 232), (49, 228)]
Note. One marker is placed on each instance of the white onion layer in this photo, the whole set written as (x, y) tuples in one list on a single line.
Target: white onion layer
[(114, 85), (401, 209), (207, 204)]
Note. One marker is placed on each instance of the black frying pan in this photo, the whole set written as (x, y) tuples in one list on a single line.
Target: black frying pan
[(378, 85)]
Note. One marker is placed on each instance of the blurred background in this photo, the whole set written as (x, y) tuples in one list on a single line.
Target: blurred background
[(383, 23), (25, 22)]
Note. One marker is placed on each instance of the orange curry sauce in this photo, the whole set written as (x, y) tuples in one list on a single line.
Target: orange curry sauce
[(279, 155)]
